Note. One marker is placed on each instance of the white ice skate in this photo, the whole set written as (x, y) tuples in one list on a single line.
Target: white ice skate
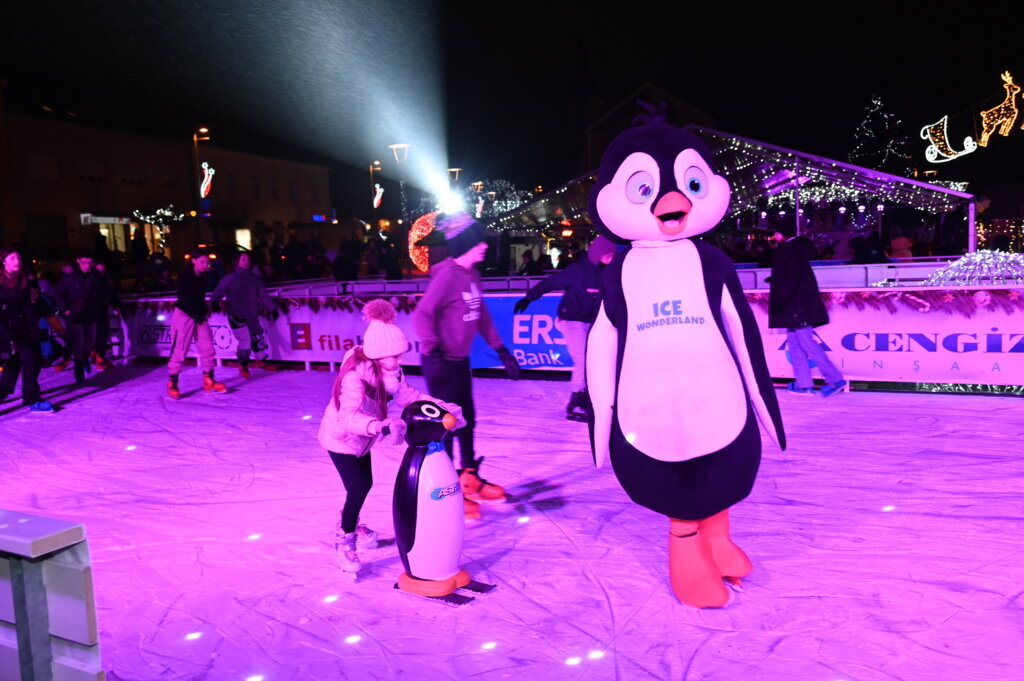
[(348, 559), (366, 539)]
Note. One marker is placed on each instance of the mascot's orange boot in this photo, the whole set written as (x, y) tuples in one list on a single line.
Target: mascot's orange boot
[(729, 558), (695, 579)]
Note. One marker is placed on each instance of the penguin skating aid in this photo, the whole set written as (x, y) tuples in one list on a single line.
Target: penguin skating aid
[(428, 511)]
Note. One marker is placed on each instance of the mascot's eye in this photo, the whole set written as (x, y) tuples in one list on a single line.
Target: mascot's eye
[(640, 187), (695, 182), (430, 410)]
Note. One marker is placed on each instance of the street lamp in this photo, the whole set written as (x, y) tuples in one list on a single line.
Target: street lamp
[(375, 167), (401, 152), (453, 175)]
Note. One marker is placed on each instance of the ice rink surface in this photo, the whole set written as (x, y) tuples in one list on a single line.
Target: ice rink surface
[(887, 542)]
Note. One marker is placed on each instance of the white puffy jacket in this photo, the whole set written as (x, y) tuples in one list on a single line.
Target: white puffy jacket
[(346, 429)]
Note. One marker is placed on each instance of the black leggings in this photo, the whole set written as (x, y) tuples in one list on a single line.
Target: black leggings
[(26, 360), (357, 476), (452, 381)]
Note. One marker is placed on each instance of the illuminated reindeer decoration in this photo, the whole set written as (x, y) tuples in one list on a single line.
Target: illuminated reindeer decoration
[(1002, 116)]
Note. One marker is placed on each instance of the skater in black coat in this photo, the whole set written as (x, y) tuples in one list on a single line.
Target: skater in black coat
[(19, 332), (83, 296), (581, 282), (794, 304)]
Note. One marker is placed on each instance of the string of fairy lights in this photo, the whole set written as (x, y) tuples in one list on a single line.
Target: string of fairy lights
[(766, 178), (879, 142), (759, 173), (1012, 229), (161, 219)]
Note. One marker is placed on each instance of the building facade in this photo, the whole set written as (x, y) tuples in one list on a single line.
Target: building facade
[(62, 185)]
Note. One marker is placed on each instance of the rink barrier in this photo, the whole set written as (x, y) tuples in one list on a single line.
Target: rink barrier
[(48, 629), (926, 336)]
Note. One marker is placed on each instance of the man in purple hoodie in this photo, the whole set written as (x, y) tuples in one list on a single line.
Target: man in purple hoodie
[(447, 319)]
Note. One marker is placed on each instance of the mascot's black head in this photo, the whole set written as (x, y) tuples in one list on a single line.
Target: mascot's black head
[(428, 422), (656, 183)]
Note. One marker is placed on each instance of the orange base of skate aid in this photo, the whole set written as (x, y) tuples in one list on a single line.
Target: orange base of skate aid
[(433, 587)]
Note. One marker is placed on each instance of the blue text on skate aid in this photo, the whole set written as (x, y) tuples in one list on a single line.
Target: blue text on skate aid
[(439, 493)]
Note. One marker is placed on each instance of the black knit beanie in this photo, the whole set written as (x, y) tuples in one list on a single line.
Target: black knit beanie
[(461, 233), (600, 247)]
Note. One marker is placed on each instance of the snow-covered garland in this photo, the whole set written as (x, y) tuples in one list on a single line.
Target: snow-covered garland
[(949, 301), (404, 304)]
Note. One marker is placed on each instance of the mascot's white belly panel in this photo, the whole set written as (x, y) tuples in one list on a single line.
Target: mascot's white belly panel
[(680, 394)]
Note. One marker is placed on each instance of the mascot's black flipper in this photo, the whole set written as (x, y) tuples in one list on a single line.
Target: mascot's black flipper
[(744, 336)]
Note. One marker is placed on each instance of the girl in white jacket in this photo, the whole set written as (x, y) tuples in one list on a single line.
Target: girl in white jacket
[(369, 381)]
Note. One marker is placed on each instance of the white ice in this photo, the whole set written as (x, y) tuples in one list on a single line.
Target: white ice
[(887, 542)]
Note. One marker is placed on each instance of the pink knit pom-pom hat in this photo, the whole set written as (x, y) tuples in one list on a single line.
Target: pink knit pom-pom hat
[(383, 338)]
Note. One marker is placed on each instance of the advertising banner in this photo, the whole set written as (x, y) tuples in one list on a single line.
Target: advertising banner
[(323, 329), (898, 335), (914, 336)]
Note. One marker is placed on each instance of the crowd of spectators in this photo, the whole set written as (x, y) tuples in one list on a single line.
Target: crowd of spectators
[(760, 251)]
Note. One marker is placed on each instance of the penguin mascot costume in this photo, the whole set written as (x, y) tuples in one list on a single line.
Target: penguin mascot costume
[(675, 366)]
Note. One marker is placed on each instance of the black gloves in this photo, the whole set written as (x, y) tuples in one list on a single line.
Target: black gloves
[(511, 365), (521, 305)]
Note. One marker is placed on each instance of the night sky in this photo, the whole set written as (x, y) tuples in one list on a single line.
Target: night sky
[(514, 85)]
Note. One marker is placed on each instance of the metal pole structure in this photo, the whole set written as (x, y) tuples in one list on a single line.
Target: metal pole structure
[(401, 152), (972, 230), (796, 199), (375, 166), (202, 134)]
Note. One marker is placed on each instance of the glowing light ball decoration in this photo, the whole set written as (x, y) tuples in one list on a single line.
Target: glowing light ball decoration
[(979, 268), (420, 255)]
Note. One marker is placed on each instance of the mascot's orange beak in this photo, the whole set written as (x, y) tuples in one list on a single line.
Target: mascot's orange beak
[(448, 421), (671, 211)]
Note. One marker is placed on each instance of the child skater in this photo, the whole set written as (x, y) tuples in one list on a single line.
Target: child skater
[(369, 381)]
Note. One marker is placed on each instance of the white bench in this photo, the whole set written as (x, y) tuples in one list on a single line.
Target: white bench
[(48, 626)]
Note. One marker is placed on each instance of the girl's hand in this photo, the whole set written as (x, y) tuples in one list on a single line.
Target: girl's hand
[(398, 428), (391, 429)]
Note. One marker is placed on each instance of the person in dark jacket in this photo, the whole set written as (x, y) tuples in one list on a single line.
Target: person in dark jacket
[(447, 318), (190, 321), (246, 296), (581, 282), (19, 332), (82, 294), (794, 304)]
